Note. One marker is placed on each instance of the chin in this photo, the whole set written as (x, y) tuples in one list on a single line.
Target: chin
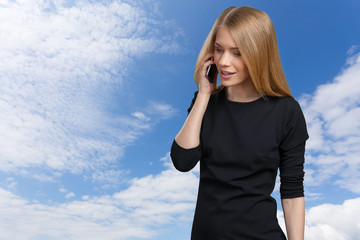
[(234, 82), (227, 83)]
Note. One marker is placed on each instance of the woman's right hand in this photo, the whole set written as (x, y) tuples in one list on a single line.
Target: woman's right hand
[(189, 135), (204, 84)]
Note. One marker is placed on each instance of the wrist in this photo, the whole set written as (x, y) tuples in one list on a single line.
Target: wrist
[(202, 101), (204, 95)]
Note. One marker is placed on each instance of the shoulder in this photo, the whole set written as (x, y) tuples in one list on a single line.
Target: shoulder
[(293, 120), (283, 101), (285, 104), (293, 123), (287, 110)]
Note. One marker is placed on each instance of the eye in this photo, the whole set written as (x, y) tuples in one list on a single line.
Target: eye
[(237, 54), (218, 50)]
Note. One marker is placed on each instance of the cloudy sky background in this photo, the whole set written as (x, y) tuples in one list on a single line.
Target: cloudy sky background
[(92, 94)]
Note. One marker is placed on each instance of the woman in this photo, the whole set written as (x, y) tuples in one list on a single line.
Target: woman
[(242, 132)]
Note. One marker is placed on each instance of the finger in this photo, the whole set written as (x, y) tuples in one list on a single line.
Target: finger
[(209, 56), (208, 63)]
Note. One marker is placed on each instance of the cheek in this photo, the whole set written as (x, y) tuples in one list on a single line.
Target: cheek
[(241, 64)]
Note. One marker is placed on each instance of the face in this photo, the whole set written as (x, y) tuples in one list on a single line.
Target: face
[(228, 60)]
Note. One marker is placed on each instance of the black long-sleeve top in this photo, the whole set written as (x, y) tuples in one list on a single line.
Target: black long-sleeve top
[(242, 145)]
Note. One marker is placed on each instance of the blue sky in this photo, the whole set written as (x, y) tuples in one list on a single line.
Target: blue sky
[(93, 93)]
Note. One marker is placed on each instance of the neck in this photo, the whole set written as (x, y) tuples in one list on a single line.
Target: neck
[(239, 93)]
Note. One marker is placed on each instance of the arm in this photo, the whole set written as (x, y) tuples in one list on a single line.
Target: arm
[(294, 213), (292, 150), (185, 150), (189, 135)]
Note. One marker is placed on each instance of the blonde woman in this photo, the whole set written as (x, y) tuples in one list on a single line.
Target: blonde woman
[(243, 131)]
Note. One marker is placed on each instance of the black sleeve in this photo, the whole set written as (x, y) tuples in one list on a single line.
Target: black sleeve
[(292, 150), (192, 102), (185, 159)]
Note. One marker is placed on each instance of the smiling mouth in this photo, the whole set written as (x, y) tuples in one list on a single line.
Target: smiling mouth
[(227, 73)]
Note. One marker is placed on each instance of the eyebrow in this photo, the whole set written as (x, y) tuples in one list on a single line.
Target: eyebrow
[(234, 48)]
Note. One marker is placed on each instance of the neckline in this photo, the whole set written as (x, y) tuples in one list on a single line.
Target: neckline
[(240, 103)]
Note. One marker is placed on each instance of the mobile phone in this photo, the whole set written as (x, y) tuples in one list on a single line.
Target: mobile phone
[(211, 73)]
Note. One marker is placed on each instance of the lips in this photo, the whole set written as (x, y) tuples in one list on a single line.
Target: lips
[(226, 74)]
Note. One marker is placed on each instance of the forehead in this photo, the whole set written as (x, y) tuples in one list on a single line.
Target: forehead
[(224, 38)]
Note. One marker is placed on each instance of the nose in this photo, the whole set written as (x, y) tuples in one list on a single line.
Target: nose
[(224, 59)]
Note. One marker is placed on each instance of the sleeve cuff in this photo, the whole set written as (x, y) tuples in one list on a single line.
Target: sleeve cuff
[(184, 159)]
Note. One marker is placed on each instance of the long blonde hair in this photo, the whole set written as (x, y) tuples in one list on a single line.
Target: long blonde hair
[(254, 34)]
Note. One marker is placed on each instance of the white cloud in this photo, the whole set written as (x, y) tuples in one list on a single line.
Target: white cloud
[(333, 118), (59, 64), (140, 211), (352, 50), (109, 177), (334, 222), (330, 221), (85, 197), (70, 195), (160, 110), (141, 116)]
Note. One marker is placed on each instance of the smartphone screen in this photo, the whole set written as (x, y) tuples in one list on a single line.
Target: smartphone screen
[(211, 73)]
